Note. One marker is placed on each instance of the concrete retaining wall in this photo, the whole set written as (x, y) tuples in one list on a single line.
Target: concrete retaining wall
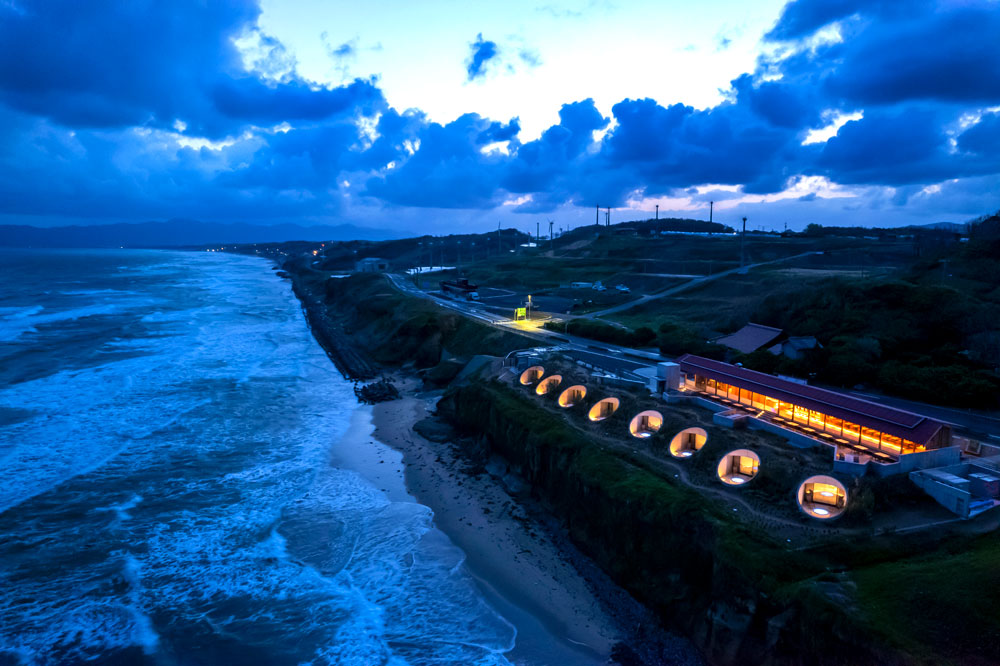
[(952, 498), (794, 438), (951, 455)]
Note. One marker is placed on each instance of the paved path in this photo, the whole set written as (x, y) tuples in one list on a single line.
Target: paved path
[(689, 285), (612, 358)]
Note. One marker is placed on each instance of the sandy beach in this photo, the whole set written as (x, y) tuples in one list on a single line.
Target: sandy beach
[(565, 609), (520, 570)]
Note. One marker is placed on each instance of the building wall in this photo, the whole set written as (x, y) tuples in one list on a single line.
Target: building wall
[(950, 497), (794, 438), (855, 433)]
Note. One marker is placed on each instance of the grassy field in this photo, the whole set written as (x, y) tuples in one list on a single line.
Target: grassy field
[(721, 305), (941, 605)]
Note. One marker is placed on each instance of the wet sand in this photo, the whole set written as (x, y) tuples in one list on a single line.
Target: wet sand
[(519, 568)]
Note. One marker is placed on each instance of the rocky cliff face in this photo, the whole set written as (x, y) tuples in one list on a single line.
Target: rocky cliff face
[(741, 597)]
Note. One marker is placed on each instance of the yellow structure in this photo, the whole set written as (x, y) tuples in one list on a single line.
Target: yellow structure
[(822, 497), (739, 466), (602, 409), (572, 396), (644, 424), (548, 384), (532, 375), (688, 442), (883, 432)]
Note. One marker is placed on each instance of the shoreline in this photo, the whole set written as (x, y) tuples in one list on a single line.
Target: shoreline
[(566, 610), (524, 579), (524, 565)]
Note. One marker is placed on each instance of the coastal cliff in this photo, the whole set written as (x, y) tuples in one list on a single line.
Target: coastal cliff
[(739, 596)]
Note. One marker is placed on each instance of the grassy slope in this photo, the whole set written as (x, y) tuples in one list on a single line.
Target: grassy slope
[(397, 329), (927, 600), (942, 604), (933, 602)]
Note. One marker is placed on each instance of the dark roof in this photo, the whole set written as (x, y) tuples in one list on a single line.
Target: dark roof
[(749, 338), (803, 342), (914, 427)]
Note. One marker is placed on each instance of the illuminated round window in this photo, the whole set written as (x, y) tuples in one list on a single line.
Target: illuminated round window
[(688, 442), (572, 396), (822, 497), (532, 375), (645, 424), (548, 384), (738, 467), (602, 409)]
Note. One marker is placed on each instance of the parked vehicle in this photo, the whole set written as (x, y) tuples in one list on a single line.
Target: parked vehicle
[(460, 287), (622, 288), (599, 287)]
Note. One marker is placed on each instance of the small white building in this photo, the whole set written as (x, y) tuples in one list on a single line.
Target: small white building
[(371, 265)]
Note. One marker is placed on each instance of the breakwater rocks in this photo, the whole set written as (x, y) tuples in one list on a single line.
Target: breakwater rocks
[(380, 391)]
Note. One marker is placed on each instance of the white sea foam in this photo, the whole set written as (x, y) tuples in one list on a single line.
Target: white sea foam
[(203, 469)]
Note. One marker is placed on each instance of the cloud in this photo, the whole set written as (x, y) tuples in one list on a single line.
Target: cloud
[(983, 138), (530, 57), (182, 110), (345, 50), (800, 18), (482, 52), (114, 65)]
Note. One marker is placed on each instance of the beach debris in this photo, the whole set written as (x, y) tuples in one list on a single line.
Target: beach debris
[(380, 391)]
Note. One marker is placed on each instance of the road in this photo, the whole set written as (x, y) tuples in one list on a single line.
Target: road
[(622, 361), (689, 285), (625, 361)]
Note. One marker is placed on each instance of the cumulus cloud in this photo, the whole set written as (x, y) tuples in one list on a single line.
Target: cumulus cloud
[(158, 112), (112, 65)]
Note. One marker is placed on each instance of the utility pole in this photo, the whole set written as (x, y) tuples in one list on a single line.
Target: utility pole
[(538, 234), (597, 218), (743, 244), (608, 218), (551, 240), (711, 205), (657, 212)]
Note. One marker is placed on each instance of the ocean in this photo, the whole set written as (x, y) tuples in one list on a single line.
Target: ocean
[(167, 496)]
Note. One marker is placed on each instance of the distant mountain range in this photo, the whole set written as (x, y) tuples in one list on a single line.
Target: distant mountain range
[(957, 227), (177, 233)]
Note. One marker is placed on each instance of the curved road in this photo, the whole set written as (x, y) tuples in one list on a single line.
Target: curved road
[(689, 285)]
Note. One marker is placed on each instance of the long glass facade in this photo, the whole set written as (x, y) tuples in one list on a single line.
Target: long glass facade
[(810, 420)]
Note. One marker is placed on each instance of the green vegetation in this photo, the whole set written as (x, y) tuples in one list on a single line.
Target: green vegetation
[(939, 605), (670, 545), (912, 312), (374, 318), (598, 330), (895, 599), (907, 339), (396, 329)]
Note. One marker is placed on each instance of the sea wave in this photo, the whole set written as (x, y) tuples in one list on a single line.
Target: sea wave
[(183, 502)]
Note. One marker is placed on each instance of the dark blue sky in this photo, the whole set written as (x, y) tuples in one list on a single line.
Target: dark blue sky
[(115, 111)]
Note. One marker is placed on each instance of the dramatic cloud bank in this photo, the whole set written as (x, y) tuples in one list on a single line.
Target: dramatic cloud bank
[(138, 110)]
